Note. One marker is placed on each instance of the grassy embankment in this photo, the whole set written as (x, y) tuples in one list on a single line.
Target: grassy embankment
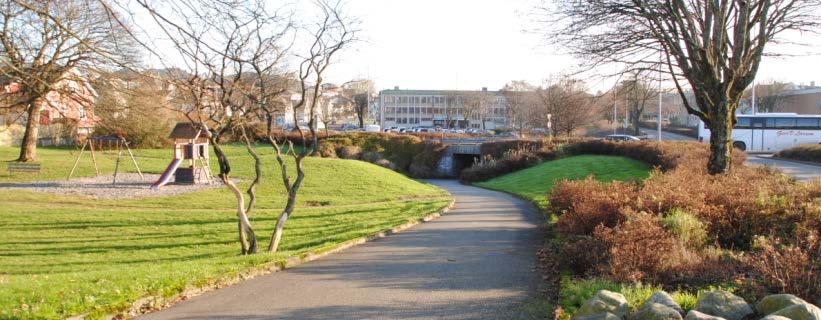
[(535, 183), (62, 256)]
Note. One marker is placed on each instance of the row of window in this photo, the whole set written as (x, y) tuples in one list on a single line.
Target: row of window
[(426, 100), (778, 123), (431, 110), (405, 99)]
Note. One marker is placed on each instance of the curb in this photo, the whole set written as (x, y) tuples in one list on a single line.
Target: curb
[(156, 303)]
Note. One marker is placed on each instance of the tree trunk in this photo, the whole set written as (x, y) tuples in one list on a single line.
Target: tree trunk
[(28, 148), (361, 116), (721, 129), (245, 230), (269, 123), (283, 217), (636, 124), (277, 236)]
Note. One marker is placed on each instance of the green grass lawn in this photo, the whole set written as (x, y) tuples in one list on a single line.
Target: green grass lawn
[(535, 182), (63, 256)]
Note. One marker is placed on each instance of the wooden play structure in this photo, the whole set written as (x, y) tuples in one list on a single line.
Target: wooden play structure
[(114, 143), (190, 163)]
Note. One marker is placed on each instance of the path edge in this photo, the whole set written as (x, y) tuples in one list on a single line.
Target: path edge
[(151, 304)]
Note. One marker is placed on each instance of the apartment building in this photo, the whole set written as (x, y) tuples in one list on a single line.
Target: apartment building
[(442, 108)]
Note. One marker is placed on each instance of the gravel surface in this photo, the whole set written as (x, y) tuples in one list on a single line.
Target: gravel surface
[(129, 185)]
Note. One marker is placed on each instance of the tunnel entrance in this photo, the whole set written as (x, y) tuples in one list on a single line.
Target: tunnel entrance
[(463, 161)]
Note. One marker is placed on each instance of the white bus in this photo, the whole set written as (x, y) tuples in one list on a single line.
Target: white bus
[(771, 132)]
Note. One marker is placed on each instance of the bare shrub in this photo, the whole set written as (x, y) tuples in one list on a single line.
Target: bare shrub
[(639, 249), (790, 267), (583, 205), (804, 152), (349, 152)]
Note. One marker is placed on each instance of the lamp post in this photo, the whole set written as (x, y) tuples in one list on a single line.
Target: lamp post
[(659, 93)]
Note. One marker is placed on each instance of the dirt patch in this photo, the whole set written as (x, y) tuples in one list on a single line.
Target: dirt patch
[(129, 185)]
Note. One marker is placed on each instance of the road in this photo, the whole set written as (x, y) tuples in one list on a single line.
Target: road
[(797, 170), (476, 262), (666, 136)]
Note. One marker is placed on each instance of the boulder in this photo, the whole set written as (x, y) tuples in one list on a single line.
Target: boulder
[(695, 315), (804, 311), (662, 297), (723, 304), (656, 311), (775, 302), (604, 301), (774, 317), (597, 316)]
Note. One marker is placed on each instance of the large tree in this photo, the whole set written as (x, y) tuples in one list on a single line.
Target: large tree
[(712, 47), (45, 43)]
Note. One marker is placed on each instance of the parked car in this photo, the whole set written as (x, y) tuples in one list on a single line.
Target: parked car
[(371, 128), (509, 134), (621, 137)]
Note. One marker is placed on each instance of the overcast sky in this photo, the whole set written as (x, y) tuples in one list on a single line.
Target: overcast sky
[(462, 44)]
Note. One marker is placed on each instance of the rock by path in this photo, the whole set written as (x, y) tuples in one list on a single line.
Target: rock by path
[(476, 262)]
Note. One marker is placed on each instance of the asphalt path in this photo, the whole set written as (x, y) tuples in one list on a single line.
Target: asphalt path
[(476, 262)]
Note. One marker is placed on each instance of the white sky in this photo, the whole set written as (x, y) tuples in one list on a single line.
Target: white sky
[(470, 44), (462, 44)]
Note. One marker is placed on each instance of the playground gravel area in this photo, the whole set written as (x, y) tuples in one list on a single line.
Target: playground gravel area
[(129, 185)]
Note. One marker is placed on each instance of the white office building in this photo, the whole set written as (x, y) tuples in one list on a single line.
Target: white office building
[(442, 108)]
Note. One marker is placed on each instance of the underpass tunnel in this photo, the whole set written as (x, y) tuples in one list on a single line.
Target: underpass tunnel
[(463, 161)]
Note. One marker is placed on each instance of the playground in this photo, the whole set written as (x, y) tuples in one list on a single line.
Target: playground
[(189, 169), (129, 185)]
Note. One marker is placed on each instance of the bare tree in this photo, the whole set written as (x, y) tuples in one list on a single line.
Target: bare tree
[(133, 106), (358, 92), (477, 105), (768, 95), (521, 98), (453, 109), (637, 93), (331, 33), (45, 43), (565, 106), (713, 46), (222, 89)]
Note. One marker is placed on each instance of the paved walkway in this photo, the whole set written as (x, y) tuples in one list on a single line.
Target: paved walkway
[(476, 262)]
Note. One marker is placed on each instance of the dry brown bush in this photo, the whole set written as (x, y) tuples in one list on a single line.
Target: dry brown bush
[(734, 208), (790, 267), (638, 249), (583, 205)]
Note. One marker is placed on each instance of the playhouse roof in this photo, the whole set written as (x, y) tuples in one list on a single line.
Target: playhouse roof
[(185, 130)]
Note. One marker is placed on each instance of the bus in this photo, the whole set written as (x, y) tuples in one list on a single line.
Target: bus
[(771, 132)]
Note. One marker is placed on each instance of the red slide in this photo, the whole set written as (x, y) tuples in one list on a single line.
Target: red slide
[(166, 176)]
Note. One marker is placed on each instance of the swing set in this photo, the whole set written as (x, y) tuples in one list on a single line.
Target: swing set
[(114, 144)]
